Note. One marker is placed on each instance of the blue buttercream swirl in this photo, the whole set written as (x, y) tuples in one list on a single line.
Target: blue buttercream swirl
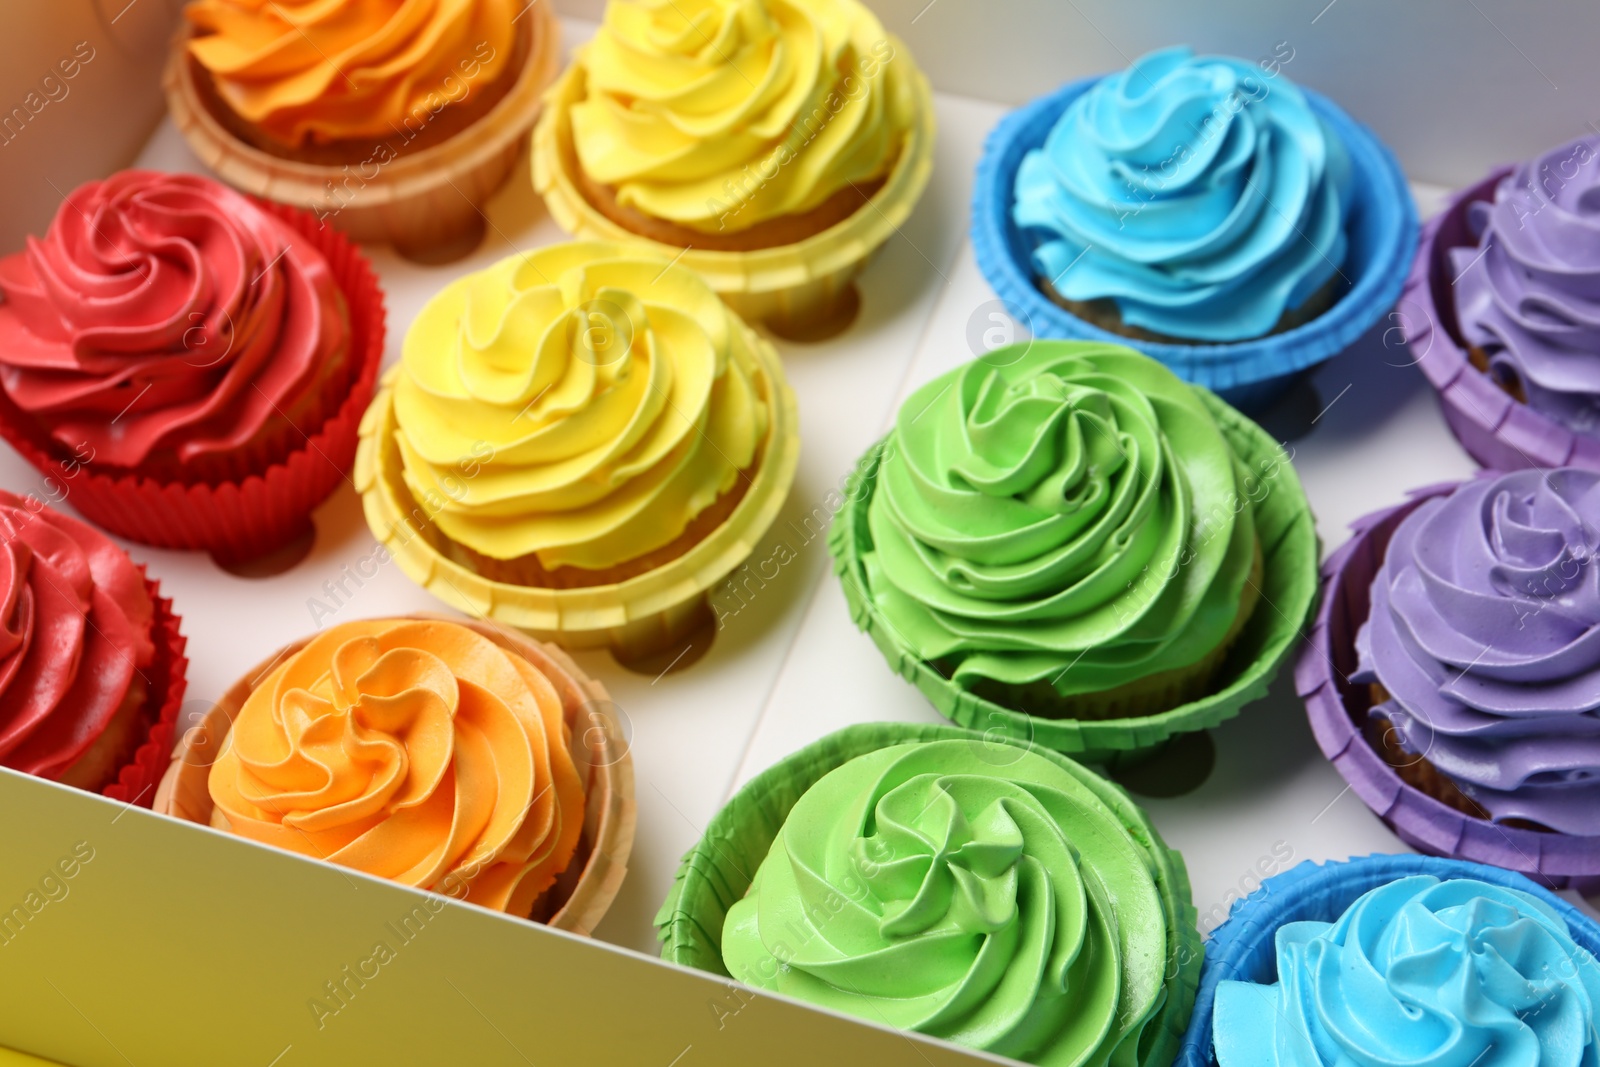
[(1199, 193), (1420, 971)]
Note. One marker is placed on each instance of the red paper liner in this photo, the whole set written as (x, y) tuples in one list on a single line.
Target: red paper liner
[(1337, 710), (248, 518), (167, 679)]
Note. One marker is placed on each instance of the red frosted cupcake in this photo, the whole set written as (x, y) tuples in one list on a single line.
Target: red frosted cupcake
[(91, 662), (192, 362)]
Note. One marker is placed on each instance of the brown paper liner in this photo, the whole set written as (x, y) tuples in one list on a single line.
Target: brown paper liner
[(581, 895), (1149, 695), (248, 516), (1105, 314), (427, 200)]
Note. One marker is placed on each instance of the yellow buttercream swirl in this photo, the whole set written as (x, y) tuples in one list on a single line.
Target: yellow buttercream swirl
[(583, 403), (414, 750), (721, 114), (314, 71)]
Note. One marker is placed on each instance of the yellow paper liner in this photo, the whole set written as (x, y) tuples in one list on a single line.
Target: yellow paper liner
[(418, 201), (638, 617), (787, 286), (582, 894)]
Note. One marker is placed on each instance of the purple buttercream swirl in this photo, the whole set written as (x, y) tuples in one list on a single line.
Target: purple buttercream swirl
[(1485, 630), (1529, 294)]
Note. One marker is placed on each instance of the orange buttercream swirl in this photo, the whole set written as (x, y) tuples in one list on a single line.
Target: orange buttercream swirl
[(419, 751), (314, 71)]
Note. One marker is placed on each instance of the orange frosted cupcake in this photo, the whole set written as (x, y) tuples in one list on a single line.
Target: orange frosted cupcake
[(452, 757), (392, 118)]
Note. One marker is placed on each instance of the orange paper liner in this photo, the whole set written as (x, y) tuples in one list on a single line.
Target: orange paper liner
[(248, 518), (167, 678)]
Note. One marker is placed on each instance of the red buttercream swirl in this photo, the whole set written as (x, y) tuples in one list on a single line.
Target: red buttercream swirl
[(166, 314), (75, 626)]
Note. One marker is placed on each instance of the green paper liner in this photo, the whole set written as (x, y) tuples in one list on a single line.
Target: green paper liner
[(717, 871), (1290, 552)]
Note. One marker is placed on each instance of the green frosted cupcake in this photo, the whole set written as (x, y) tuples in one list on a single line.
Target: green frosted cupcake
[(1066, 541), (936, 880)]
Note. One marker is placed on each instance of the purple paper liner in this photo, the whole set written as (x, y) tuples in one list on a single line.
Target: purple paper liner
[(1251, 374), (1337, 709), (1243, 949), (1494, 428)]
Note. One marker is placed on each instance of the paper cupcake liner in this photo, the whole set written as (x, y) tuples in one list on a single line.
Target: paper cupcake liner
[(1496, 430), (420, 201), (1249, 374), (638, 617), (581, 895), (1242, 948), (716, 872), (166, 678), (787, 286), (1289, 548), (1421, 821), (248, 518)]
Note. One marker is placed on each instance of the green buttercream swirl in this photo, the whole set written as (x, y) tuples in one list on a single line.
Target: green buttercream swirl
[(1005, 908), (1059, 510)]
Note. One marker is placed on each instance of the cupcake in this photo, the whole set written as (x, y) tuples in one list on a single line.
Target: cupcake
[(580, 442), (189, 364), (936, 880), (394, 121), (1067, 538), (1237, 227), (772, 144), (455, 758), (1464, 708), (91, 661), (1399, 959), (1502, 312)]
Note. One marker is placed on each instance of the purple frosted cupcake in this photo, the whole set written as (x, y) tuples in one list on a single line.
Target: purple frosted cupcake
[(1528, 296), (1502, 312), (1453, 675)]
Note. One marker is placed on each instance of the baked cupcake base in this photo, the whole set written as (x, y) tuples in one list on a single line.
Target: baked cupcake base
[(428, 202), (250, 516), (1495, 427), (1338, 710), (717, 871), (804, 290), (1248, 374), (580, 897), (1290, 549), (1243, 949)]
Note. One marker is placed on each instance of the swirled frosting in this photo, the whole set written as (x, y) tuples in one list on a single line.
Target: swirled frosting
[(925, 888), (1528, 295), (1200, 194), (1420, 971), (314, 71), (583, 403), (720, 114), (75, 633), (165, 314), (1485, 630), (414, 750), (1060, 504)]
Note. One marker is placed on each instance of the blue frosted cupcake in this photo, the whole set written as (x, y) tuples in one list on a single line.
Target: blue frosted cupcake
[(1224, 220), (1400, 960)]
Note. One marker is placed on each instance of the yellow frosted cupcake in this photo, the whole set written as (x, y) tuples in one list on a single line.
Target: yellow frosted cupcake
[(774, 144), (580, 442)]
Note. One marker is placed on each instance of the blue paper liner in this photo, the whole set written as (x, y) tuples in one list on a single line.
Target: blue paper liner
[(1247, 374), (1242, 948)]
